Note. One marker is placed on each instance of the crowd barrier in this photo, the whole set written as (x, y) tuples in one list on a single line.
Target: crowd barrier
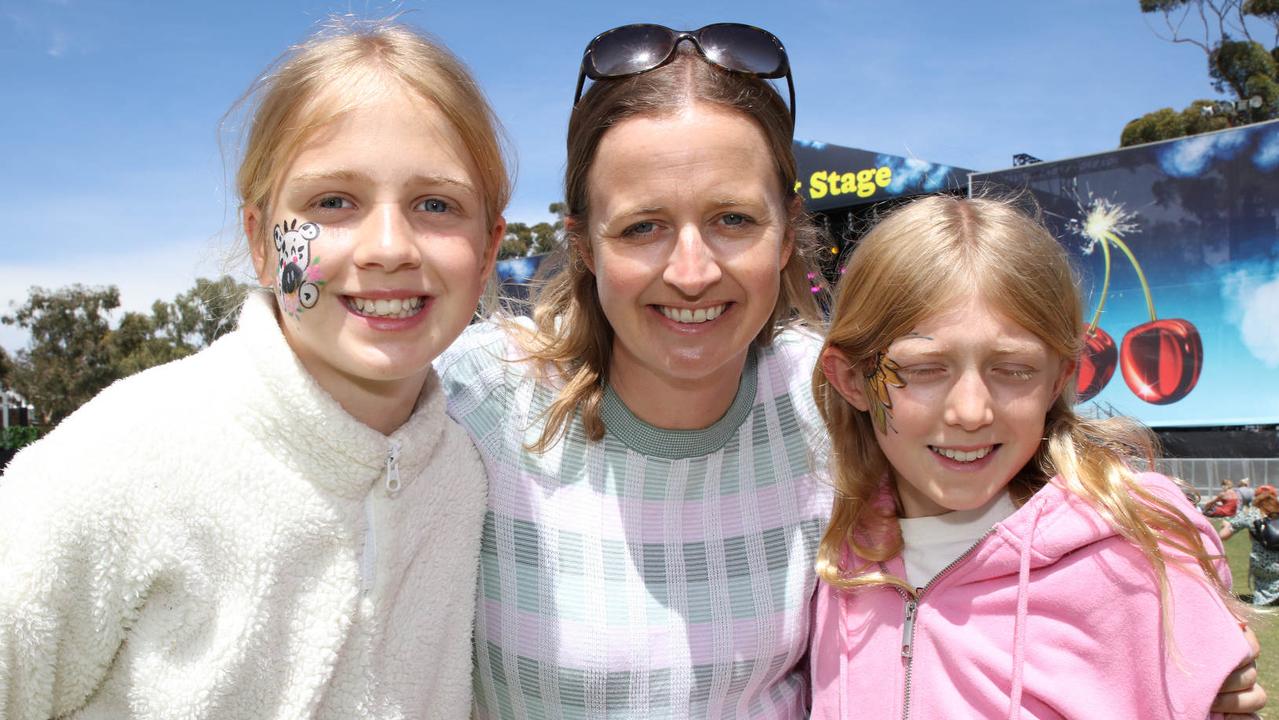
[(1206, 474)]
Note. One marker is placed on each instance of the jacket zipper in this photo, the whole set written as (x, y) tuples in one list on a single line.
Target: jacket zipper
[(368, 561), (912, 611), (393, 467)]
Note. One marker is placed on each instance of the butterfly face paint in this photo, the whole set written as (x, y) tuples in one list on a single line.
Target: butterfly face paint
[(880, 376), (298, 280)]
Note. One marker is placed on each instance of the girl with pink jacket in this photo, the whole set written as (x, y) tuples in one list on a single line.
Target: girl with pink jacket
[(992, 554)]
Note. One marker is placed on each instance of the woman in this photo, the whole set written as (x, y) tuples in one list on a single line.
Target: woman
[(1225, 503), (1261, 520), (655, 493), (656, 462)]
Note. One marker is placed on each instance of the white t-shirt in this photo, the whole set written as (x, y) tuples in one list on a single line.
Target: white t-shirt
[(932, 543)]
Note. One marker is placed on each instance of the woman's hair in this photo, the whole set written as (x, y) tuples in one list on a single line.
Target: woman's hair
[(919, 259), (1267, 503), (334, 72), (573, 336)]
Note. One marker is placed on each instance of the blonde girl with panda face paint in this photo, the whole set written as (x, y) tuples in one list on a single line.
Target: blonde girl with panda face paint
[(286, 524)]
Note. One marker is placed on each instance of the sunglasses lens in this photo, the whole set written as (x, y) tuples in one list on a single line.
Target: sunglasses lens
[(631, 49), (742, 48)]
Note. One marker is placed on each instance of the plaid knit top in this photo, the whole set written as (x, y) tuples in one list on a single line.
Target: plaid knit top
[(656, 573)]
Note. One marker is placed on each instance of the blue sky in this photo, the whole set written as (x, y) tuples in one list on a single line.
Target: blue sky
[(114, 169)]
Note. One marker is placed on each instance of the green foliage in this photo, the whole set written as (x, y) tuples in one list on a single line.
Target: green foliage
[(1166, 123), (1158, 125), (75, 352), (18, 436), (1239, 65), (69, 359), (1267, 10), (522, 239), (1233, 63)]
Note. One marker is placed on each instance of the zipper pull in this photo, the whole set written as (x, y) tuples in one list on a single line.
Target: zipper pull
[(393, 467), (908, 628)]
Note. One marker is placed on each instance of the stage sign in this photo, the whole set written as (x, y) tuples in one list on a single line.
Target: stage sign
[(1177, 245), (831, 176)]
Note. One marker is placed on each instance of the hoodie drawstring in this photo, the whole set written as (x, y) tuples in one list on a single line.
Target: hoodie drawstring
[(1023, 606)]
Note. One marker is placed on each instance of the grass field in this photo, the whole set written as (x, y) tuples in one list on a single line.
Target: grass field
[(1266, 627)]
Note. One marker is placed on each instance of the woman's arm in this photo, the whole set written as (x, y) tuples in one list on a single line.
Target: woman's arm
[(1240, 695)]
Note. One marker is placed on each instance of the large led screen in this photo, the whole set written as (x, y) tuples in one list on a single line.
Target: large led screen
[(1177, 245)]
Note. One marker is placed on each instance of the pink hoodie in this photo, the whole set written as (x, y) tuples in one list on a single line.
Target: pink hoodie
[(1066, 625)]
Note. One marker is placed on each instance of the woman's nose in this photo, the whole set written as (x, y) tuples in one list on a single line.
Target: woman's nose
[(692, 266)]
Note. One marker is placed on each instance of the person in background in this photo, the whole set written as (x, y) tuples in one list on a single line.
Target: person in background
[(285, 525), (1261, 520), (1245, 492), (1224, 503)]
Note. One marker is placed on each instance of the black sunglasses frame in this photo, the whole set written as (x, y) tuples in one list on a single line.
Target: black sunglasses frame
[(587, 69)]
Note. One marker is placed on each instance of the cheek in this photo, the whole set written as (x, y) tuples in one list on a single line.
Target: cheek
[(455, 259), (619, 277)]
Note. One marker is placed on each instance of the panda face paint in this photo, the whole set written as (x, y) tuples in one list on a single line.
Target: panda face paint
[(298, 279)]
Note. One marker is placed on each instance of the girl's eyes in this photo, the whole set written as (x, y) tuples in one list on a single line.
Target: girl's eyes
[(930, 372), (338, 202), (923, 372), (434, 205), (1016, 372)]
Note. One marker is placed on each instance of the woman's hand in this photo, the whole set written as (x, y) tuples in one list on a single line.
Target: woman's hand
[(1240, 695)]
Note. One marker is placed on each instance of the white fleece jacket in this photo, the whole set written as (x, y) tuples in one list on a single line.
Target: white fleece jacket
[(217, 538)]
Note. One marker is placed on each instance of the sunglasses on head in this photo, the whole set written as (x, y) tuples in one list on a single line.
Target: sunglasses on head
[(634, 49)]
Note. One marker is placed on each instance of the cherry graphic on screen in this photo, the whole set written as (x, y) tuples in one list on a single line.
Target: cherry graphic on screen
[(1096, 363), (1161, 360)]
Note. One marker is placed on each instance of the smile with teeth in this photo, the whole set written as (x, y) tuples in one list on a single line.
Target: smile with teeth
[(685, 315), (961, 455), (384, 308)]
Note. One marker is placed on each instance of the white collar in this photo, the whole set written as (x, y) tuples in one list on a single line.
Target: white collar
[(308, 429)]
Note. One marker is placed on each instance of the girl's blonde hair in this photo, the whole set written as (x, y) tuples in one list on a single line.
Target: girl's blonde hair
[(332, 73), (573, 336), (918, 259)]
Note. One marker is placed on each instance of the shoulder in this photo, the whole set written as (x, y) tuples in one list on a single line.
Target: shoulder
[(130, 432), (481, 371), (482, 347), (795, 348)]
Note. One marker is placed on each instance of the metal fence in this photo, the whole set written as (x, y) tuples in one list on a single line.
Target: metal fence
[(1206, 474)]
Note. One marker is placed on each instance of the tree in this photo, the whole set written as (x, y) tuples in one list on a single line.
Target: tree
[(75, 352), (202, 314), (1239, 64), (522, 239), (6, 367), (70, 359)]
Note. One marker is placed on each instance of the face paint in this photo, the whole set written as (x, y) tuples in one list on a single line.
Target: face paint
[(298, 280), (883, 374)]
